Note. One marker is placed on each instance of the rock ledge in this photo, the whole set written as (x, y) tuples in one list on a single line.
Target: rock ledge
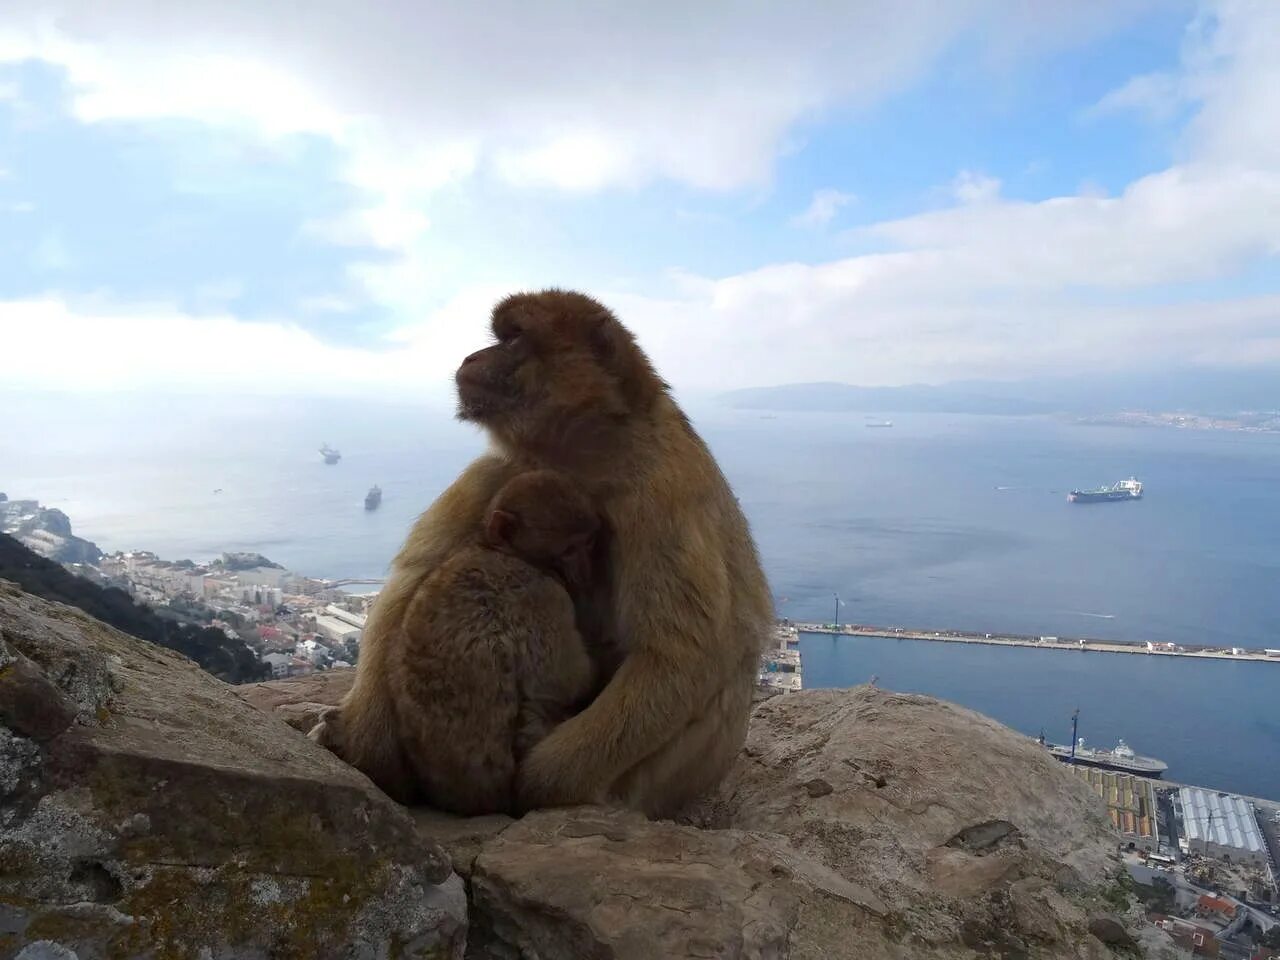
[(149, 810)]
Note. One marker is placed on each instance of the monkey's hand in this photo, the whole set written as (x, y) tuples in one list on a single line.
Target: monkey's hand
[(325, 732), (553, 776)]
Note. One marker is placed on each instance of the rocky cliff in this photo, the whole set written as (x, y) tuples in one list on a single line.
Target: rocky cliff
[(147, 809), (46, 530)]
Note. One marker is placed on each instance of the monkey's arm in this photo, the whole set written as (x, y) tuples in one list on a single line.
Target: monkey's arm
[(554, 670), (366, 737), (676, 612)]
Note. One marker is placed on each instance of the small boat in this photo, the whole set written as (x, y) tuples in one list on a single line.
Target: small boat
[(373, 498), (331, 456)]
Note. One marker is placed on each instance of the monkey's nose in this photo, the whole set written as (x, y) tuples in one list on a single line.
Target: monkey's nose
[(473, 357)]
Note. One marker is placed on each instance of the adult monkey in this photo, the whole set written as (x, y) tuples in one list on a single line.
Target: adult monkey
[(566, 387)]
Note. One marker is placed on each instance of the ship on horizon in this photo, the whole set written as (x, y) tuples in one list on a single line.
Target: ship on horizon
[(331, 456), (1130, 489), (373, 498)]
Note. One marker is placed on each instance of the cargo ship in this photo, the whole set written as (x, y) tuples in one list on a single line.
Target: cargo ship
[(331, 456), (1130, 489), (373, 498), (1122, 758)]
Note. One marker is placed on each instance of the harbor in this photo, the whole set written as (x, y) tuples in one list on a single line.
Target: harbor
[(780, 669), (1085, 644)]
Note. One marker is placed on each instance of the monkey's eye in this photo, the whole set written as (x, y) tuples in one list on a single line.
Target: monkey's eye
[(510, 335)]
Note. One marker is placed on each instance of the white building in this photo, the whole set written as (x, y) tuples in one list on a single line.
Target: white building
[(279, 663), (337, 630), (261, 596), (1222, 826), (309, 650), (215, 587), (265, 576), (346, 616)]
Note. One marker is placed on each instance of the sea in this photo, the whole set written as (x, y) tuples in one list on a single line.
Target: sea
[(942, 521)]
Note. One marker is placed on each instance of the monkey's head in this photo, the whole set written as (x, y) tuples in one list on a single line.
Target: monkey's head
[(546, 519), (564, 379)]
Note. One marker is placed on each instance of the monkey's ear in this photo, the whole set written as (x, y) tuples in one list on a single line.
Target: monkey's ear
[(500, 527), (605, 338)]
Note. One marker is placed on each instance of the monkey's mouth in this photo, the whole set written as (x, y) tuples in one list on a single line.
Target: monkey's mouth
[(480, 399)]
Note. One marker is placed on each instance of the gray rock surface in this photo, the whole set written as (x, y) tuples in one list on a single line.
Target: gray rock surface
[(857, 824), (147, 811), (593, 882), (299, 701), (974, 832)]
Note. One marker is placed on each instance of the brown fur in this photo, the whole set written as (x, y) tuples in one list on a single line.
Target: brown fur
[(488, 659), (567, 387)]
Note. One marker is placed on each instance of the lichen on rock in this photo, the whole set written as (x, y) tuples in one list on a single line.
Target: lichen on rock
[(147, 811)]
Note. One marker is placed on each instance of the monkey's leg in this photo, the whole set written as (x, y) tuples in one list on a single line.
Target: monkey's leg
[(693, 761)]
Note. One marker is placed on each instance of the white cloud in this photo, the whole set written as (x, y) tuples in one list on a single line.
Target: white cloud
[(986, 286), (1006, 288), (1230, 74), (1188, 222), (970, 187), (822, 208), (554, 95), (1233, 73), (1158, 95), (87, 346), (577, 97), (557, 93), (325, 304)]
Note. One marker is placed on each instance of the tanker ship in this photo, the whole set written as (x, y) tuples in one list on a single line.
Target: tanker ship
[(1130, 489)]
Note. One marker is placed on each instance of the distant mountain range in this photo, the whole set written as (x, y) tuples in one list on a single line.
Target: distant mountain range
[(1201, 390)]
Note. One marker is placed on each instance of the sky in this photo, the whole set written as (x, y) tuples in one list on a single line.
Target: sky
[(328, 198)]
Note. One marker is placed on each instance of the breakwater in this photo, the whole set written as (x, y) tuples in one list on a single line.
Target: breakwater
[(1084, 644)]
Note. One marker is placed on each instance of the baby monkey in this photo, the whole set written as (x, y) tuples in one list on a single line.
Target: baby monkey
[(489, 658)]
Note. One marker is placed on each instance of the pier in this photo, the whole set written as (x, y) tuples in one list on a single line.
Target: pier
[(1044, 643)]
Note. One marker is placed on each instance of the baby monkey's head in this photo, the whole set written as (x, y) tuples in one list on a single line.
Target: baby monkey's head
[(546, 519)]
